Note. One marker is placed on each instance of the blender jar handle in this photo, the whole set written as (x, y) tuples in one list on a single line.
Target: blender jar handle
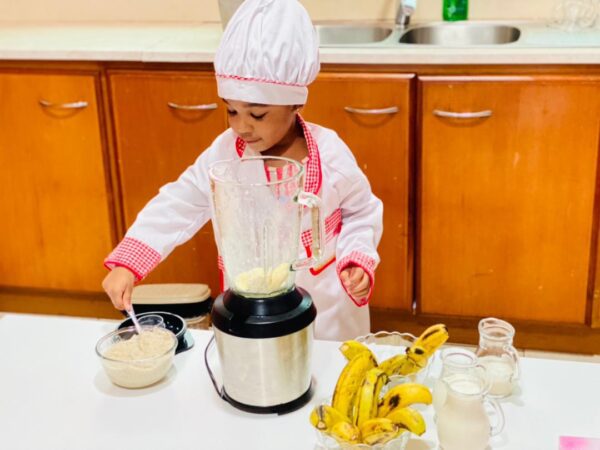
[(512, 352), (314, 203), (498, 427)]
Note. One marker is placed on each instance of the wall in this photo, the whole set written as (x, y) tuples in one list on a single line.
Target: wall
[(208, 11)]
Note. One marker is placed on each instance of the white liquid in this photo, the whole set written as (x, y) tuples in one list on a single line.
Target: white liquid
[(460, 383), (439, 395), (500, 370), (462, 422)]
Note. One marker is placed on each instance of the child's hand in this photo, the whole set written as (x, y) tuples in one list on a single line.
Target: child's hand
[(118, 284), (356, 281)]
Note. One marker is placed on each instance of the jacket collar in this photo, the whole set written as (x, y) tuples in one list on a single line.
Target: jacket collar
[(313, 177)]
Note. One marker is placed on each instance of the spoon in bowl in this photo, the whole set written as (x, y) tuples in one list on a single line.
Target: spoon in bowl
[(136, 324)]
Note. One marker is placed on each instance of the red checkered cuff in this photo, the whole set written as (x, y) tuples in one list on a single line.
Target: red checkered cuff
[(367, 264), (134, 255)]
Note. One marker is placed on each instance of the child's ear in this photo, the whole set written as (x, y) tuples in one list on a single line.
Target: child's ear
[(297, 108)]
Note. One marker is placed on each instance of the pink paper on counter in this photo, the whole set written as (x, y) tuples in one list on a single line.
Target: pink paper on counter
[(578, 443)]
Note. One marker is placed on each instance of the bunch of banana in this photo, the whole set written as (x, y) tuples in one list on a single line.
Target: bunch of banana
[(359, 414)]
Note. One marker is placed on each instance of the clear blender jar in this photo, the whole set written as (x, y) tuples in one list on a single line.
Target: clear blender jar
[(263, 323), (257, 223)]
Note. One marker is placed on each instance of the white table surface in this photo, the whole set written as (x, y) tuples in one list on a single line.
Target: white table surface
[(55, 395)]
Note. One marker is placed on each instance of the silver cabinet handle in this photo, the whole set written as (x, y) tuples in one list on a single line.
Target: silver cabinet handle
[(207, 107), (463, 115), (390, 110), (72, 105)]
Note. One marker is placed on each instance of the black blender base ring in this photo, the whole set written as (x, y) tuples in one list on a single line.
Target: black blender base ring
[(284, 408)]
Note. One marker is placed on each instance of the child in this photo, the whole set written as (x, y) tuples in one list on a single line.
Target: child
[(267, 57)]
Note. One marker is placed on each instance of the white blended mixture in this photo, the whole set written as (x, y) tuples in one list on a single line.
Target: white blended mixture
[(257, 281), (501, 371), (142, 360), (148, 344)]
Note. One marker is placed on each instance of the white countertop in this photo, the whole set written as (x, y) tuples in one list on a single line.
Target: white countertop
[(54, 395), (177, 43)]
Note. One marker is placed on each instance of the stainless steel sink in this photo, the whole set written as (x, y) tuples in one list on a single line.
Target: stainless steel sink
[(334, 35), (461, 34)]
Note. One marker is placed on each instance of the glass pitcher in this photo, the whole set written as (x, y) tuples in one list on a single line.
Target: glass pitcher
[(456, 363), (257, 223), (462, 421), (498, 355)]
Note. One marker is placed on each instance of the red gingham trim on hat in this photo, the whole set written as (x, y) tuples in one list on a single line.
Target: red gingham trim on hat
[(367, 264), (313, 178), (134, 255), (258, 80)]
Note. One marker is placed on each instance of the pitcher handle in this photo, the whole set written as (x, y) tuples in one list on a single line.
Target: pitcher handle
[(487, 379), (512, 352), (314, 203), (498, 427)]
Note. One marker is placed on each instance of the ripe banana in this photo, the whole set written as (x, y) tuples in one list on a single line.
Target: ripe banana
[(433, 338), (368, 395), (402, 396), (392, 366), (418, 355), (400, 365), (352, 348), (408, 418), (325, 417), (350, 380), (345, 432), (379, 431)]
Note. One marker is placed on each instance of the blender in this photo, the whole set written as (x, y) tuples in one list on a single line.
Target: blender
[(263, 323)]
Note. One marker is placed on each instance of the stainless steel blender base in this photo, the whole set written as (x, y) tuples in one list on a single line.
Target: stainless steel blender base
[(276, 409)]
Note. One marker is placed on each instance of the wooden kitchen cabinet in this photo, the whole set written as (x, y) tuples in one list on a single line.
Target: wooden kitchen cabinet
[(163, 121), (380, 140), (56, 224), (506, 200)]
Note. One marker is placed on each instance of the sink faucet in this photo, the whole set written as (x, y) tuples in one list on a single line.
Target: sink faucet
[(405, 10)]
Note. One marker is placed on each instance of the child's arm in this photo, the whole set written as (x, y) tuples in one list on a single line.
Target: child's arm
[(362, 225), (179, 210)]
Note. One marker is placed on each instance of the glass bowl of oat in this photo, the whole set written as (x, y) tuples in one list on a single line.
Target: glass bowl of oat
[(134, 360)]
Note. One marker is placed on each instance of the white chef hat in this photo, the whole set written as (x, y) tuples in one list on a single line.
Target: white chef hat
[(269, 53)]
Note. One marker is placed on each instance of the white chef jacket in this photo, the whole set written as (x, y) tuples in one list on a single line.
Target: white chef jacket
[(352, 224)]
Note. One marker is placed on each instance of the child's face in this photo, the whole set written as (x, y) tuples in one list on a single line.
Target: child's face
[(261, 126)]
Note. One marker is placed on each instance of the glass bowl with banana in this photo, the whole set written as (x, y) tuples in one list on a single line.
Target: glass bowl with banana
[(375, 402)]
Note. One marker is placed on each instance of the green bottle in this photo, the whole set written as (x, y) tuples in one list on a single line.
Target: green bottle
[(456, 10)]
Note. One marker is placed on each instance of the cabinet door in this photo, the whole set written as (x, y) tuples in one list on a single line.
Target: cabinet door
[(56, 225), (348, 104), (507, 199), (163, 122)]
